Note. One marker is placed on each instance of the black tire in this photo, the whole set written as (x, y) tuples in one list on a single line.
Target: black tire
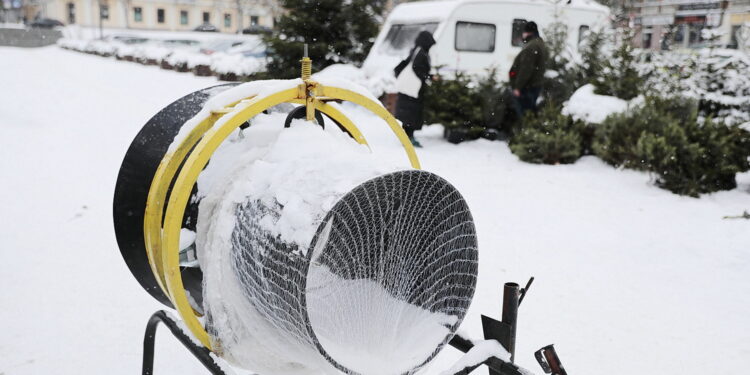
[(300, 113)]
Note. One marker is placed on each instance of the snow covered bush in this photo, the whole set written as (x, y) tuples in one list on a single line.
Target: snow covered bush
[(72, 44), (665, 137), (548, 137), (718, 79), (100, 47), (180, 60), (150, 53), (125, 52), (235, 67)]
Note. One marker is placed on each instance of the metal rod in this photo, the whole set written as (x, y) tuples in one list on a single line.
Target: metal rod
[(511, 296), (201, 353), (525, 290)]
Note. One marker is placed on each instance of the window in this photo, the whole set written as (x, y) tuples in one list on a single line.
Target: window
[(160, 15), (516, 35), (71, 13), (253, 20), (679, 35), (206, 17), (733, 40), (104, 11), (227, 20), (583, 33), (138, 14), (646, 43), (695, 35), (183, 17), (400, 38), (475, 37)]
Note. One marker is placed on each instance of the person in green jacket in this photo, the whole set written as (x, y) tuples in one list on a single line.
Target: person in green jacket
[(527, 72)]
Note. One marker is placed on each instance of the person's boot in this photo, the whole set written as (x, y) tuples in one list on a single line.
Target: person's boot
[(415, 142)]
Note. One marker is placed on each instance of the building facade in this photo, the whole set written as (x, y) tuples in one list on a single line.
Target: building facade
[(228, 16), (665, 24)]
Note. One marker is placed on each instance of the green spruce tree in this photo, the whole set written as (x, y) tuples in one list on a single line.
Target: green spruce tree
[(592, 58), (620, 76), (687, 156), (548, 137), (337, 31)]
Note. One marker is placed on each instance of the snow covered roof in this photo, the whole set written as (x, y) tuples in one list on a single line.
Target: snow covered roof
[(424, 10), (441, 9)]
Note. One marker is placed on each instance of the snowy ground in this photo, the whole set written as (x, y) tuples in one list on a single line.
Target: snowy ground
[(631, 279)]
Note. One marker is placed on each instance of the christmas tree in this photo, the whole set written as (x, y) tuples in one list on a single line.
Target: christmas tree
[(548, 137), (687, 156), (337, 31), (620, 76)]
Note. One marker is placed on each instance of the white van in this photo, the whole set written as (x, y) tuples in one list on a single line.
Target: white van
[(475, 35)]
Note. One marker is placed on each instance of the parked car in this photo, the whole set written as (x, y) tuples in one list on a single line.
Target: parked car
[(206, 27), (127, 39), (180, 43), (45, 23), (251, 48), (219, 46), (256, 30)]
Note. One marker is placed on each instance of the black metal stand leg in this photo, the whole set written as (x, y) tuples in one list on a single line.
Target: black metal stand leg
[(503, 332), (200, 352), (496, 365)]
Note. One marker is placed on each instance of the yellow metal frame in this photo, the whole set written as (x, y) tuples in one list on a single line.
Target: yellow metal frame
[(195, 150)]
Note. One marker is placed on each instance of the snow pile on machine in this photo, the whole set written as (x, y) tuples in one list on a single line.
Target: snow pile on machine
[(316, 255)]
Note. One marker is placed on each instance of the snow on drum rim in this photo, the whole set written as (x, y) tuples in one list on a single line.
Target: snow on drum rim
[(385, 283)]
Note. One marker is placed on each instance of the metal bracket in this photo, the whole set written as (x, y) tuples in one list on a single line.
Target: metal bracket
[(201, 353)]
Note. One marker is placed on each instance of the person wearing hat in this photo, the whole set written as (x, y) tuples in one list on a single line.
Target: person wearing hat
[(411, 76), (527, 72)]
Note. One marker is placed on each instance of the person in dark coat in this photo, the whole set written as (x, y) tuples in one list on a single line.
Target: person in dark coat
[(527, 72), (412, 74)]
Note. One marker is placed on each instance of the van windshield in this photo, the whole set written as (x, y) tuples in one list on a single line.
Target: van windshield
[(400, 38)]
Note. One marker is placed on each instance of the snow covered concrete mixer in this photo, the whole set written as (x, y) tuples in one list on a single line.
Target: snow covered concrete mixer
[(294, 249)]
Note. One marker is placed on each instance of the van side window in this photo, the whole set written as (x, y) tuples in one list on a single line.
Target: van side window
[(583, 33), (400, 37), (516, 36), (475, 37)]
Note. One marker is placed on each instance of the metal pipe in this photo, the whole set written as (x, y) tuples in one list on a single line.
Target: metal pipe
[(511, 296)]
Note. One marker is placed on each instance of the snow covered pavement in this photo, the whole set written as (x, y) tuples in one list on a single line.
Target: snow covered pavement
[(630, 278)]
